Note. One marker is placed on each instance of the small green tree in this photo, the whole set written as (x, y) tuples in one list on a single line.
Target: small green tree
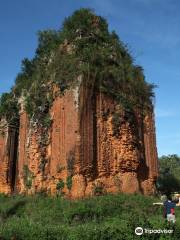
[(69, 182), (84, 46), (59, 186), (169, 174), (98, 189)]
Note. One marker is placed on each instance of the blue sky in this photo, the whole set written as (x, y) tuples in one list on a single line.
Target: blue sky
[(149, 27)]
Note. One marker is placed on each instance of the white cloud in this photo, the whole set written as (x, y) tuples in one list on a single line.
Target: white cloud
[(164, 113)]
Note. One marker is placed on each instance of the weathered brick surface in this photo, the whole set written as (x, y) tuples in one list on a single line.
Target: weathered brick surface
[(8, 154), (22, 148), (4, 186), (151, 163), (82, 144)]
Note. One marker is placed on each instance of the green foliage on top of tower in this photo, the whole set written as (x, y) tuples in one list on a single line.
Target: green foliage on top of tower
[(82, 47), (9, 108)]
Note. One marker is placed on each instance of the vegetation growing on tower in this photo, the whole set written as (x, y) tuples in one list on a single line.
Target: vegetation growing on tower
[(83, 46)]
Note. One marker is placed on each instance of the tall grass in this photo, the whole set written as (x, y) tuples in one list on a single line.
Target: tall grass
[(103, 217)]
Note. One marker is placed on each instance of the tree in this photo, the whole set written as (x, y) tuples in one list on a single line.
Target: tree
[(84, 46), (169, 174)]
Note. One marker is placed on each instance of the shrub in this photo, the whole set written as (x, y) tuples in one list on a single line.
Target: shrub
[(169, 172), (82, 47), (42, 164), (98, 189), (108, 217), (69, 182), (47, 121), (59, 186)]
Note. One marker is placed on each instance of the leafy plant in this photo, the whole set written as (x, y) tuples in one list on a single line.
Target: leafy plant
[(9, 108), (108, 217), (69, 182), (42, 164), (82, 47), (98, 189), (60, 185), (169, 174)]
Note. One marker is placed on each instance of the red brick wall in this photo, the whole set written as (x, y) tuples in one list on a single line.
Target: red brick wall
[(82, 144), (3, 164), (23, 132), (7, 160), (65, 131)]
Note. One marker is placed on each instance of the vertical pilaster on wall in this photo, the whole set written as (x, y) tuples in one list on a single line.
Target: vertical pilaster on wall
[(102, 137), (8, 159), (151, 158), (150, 145), (64, 134), (22, 148), (3, 161), (23, 132), (87, 111), (106, 160)]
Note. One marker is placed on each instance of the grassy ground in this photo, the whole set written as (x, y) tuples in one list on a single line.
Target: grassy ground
[(104, 217)]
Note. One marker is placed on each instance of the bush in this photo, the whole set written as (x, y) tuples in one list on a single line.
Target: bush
[(69, 182), (82, 47), (108, 217), (59, 186), (98, 189), (169, 177)]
